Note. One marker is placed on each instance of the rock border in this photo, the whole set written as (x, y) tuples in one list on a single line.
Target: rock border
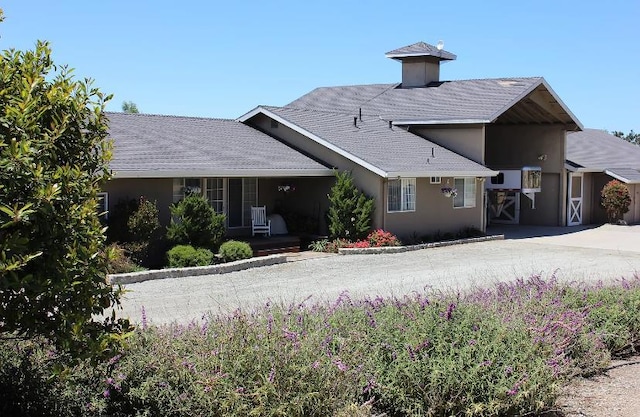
[(409, 248), (134, 277)]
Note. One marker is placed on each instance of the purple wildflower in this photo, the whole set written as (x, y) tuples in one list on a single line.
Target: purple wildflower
[(115, 359), (341, 366), (293, 336), (106, 393), (449, 313), (315, 365), (412, 355), (272, 374)]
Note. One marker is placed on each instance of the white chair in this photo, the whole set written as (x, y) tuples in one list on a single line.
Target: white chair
[(259, 221)]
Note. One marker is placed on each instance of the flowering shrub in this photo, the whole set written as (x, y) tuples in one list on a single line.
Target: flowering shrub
[(503, 350), (615, 199), (379, 238), (375, 239)]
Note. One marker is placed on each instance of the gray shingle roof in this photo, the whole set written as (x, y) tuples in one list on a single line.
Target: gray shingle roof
[(627, 175), (597, 150), (394, 151), (164, 146), (420, 49), (445, 102)]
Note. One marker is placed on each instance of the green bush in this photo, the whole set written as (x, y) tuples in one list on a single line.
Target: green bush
[(134, 226), (117, 260), (196, 223), (185, 255), (233, 250), (350, 210)]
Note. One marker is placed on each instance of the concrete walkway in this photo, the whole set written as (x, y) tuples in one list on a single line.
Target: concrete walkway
[(607, 252)]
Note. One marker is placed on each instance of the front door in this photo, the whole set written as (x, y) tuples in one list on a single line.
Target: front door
[(574, 206)]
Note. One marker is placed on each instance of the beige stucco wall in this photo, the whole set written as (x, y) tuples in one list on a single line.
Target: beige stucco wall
[(468, 141), (367, 181), (546, 205), (633, 216), (516, 146), (434, 212), (590, 198), (419, 72), (158, 189)]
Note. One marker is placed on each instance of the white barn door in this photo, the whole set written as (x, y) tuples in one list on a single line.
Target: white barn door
[(574, 206)]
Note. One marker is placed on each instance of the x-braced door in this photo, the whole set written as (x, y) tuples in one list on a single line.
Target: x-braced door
[(574, 206)]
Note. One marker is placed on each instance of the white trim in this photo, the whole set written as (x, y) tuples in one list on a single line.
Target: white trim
[(449, 56), (426, 174), (313, 137), (225, 173), (620, 177), (575, 204), (409, 122)]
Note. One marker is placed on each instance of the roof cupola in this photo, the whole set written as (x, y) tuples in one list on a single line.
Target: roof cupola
[(420, 63)]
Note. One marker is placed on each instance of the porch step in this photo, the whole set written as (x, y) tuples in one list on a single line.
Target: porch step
[(273, 251), (263, 246)]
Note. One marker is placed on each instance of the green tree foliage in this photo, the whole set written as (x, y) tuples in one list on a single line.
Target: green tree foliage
[(631, 137), (130, 107), (615, 199), (142, 227), (53, 158), (194, 222), (350, 210)]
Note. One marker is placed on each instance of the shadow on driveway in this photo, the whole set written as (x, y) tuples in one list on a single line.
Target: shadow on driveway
[(514, 231)]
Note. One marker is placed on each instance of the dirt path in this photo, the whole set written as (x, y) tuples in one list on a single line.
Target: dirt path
[(616, 393)]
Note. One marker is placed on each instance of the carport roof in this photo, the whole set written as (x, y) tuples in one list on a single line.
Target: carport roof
[(594, 150)]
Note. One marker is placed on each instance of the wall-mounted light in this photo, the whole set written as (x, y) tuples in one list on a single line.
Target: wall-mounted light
[(542, 157)]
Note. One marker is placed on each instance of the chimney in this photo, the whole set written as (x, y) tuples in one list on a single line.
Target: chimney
[(420, 63)]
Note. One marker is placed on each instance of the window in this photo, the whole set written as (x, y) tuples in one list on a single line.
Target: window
[(214, 190), (401, 195), (181, 186), (103, 206), (466, 192), (436, 180)]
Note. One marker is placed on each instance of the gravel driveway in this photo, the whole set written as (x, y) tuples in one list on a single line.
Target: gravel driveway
[(607, 252)]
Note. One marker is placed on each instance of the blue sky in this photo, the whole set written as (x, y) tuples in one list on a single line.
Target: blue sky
[(221, 59)]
